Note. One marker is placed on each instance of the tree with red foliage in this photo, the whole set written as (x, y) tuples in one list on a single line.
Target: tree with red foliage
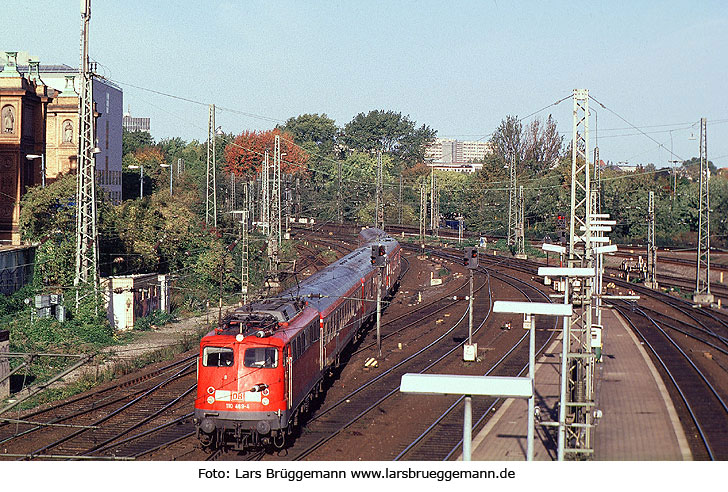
[(244, 156)]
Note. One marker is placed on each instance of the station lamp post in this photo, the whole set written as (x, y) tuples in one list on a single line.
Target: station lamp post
[(467, 386), (529, 310)]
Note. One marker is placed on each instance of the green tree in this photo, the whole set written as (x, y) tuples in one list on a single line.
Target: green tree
[(312, 128), (389, 132), (507, 138), (132, 141)]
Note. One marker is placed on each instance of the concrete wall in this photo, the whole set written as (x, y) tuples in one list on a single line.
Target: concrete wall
[(16, 267)]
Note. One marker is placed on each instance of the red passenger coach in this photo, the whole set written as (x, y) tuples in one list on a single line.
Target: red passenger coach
[(260, 369)]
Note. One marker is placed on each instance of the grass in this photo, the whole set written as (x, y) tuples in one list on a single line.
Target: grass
[(111, 370)]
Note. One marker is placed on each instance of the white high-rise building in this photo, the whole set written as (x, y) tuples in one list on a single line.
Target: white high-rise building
[(447, 150)]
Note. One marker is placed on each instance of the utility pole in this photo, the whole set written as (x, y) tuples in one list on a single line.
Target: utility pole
[(380, 193), (87, 244), (512, 201), (702, 293), (651, 244), (521, 226), (211, 195)]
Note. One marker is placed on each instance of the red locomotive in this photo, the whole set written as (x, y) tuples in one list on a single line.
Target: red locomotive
[(265, 363)]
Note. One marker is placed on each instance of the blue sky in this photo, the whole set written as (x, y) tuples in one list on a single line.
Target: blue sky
[(458, 66)]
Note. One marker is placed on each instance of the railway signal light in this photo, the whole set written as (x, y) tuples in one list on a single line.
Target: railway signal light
[(470, 259), (379, 255), (561, 227)]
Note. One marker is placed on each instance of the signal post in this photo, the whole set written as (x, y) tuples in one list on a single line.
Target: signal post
[(470, 260), (379, 260)]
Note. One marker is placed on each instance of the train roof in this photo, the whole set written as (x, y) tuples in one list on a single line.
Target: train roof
[(339, 277)]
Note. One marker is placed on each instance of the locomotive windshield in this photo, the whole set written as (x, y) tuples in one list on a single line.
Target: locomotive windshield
[(266, 357), (217, 357)]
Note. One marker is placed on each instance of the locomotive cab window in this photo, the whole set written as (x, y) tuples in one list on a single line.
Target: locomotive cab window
[(217, 357), (265, 357)]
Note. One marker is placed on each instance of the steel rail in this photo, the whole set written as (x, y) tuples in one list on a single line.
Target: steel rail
[(394, 391), (689, 408), (495, 366)]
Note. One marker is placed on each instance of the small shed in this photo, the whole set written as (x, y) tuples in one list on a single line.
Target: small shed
[(130, 297)]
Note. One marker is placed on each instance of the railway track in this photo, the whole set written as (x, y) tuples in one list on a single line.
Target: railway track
[(689, 346), (441, 439), (704, 403), (97, 418)]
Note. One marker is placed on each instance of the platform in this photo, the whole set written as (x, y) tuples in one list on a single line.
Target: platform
[(638, 419)]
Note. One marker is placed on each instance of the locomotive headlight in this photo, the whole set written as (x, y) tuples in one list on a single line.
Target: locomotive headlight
[(207, 426)]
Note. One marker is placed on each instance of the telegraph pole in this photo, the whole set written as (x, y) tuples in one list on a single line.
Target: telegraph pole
[(211, 195), (702, 293), (512, 201), (87, 244)]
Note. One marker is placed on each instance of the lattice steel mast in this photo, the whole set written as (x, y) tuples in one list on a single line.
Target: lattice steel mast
[(380, 193), (423, 212), (521, 226), (339, 207), (276, 194), (512, 200), (211, 190), (87, 245), (651, 244), (577, 359), (265, 195), (244, 263), (702, 293)]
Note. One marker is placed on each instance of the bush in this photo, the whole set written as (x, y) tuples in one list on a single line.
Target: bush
[(153, 319)]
